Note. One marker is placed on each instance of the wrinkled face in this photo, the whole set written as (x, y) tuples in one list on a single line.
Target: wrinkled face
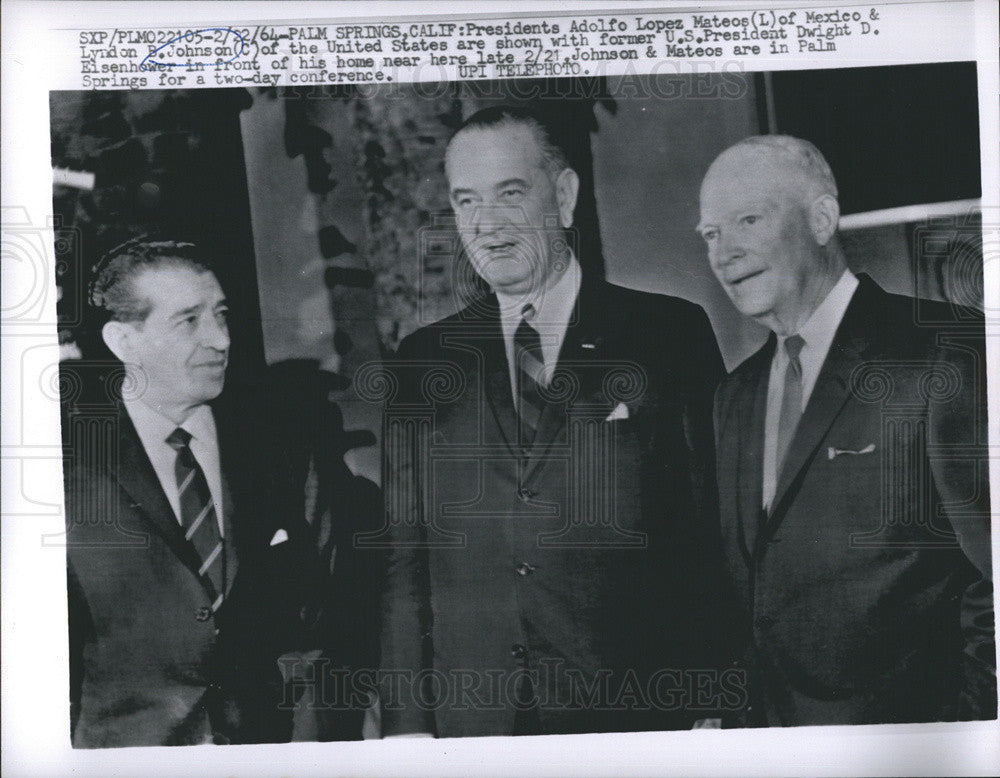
[(183, 345), (755, 222), (510, 212)]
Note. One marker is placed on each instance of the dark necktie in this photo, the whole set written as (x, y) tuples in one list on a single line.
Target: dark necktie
[(791, 401), (528, 376), (198, 518)]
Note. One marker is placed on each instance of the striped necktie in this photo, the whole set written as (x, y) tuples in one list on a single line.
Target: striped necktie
[(198, 517), (529, 377)]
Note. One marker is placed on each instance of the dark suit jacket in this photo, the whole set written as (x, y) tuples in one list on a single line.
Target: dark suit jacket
[(866, 592), (150, 663), (582, 562)]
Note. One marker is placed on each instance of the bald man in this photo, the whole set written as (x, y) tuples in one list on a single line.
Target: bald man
[(852, 468)]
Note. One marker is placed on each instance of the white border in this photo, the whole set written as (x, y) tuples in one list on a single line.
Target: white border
[(34, 674)]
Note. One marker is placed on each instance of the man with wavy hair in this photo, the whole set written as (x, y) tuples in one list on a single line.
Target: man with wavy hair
[(178, 551)]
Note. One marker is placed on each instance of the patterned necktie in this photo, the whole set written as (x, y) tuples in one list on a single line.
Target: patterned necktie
[(198, 518), (529, 376), (791, 401)]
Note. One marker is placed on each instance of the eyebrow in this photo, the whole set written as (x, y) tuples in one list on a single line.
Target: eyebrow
[(221, 303), (506, 182), (186, 311), (513, 181)]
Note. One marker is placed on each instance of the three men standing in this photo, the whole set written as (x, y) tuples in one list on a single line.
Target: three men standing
[(553, 539)]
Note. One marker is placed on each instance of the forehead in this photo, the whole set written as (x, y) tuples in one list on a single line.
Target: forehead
[(175, 287), (744, 176), (488, 155)]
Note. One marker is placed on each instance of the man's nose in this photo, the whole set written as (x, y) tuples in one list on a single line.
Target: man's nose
[(215, 335), (488, 218), (728, 248)]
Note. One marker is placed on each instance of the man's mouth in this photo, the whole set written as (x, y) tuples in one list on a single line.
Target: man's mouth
[(497, 245), (744, 276)]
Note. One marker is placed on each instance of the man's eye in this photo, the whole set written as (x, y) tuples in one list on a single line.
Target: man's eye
[(750, 219), (512, 193), (709, 235), (189, 321)]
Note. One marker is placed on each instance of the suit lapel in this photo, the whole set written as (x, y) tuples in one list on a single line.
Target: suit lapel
[(831, 392), (136, 476), (496, 379), (228, 512), (580, 369), (751, 409), (230, 475)]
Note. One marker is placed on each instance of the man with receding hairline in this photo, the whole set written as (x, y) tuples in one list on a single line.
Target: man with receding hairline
[(548, 567), (859, 548)]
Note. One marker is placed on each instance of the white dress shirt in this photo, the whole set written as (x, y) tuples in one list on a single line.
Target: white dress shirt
[(154, 429), (552, 309), (818, 334)]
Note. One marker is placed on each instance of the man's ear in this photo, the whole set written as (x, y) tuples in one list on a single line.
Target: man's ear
[(567, 189), (118, 336), (824, 216)]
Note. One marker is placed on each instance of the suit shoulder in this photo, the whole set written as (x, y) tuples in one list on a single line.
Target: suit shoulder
[(745, 370), (426, 340), (647, 311), (911, 324), (635, 299)]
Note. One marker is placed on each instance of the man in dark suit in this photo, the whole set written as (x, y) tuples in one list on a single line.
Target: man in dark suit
[(182, 560), (852, 465), (549, 479)]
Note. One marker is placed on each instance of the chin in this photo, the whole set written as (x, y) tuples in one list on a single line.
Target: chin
[(511, 287), (751, 303), (211, 391)]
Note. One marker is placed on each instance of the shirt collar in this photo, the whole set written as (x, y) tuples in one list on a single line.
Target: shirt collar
[(819, 329), (553, 306), (154, 428)]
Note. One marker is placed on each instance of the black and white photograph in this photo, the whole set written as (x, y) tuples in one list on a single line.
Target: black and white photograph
[(589, 404)]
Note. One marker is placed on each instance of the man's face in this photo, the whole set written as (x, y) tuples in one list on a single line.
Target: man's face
[(183, 345), (509, 210), (755, 221)]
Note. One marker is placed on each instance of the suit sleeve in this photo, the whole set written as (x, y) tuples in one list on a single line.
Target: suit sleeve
[(80, 627), (963, 483), (718, 615), (707, 373), (405, 635)]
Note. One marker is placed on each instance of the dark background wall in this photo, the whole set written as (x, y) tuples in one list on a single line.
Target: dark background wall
[(167, 162)]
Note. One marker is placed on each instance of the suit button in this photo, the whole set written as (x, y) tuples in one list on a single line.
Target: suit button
[(204, 613), (518, 651), (524, 569), (524, 494)]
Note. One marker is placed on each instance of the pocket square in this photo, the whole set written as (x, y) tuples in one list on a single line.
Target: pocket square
[(620, 412), (279, 537), (832, 452)]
